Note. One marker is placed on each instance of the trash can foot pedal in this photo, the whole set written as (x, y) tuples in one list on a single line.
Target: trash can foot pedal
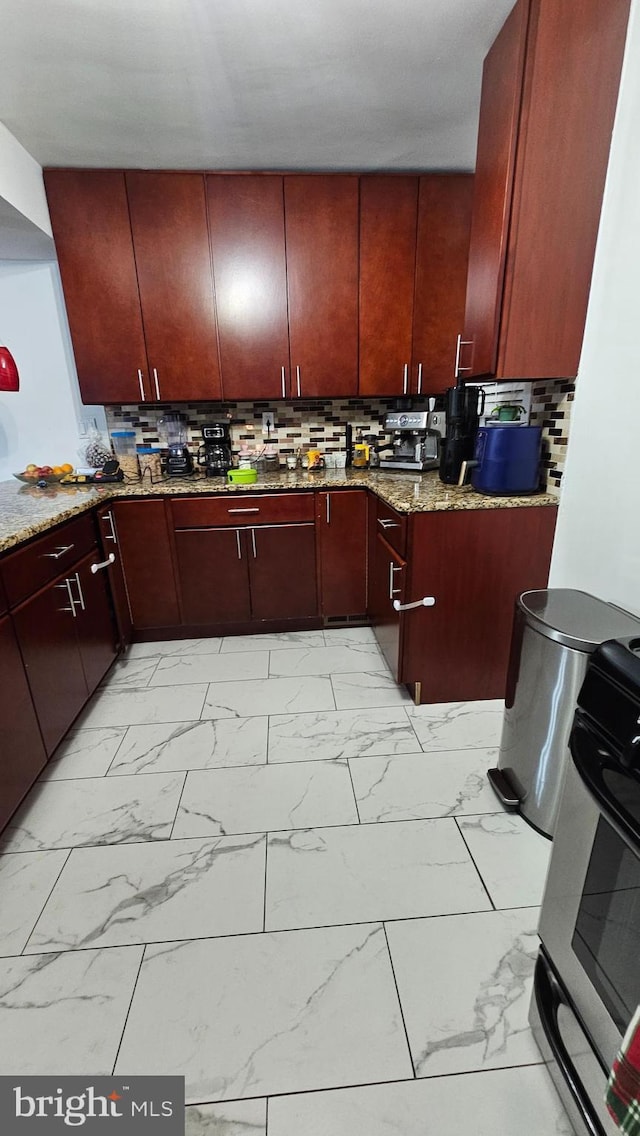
[(503, 789)]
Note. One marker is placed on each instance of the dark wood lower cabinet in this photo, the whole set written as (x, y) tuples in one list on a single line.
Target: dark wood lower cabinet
[(341, 519), (108, 540), (145, 548), (22, 754), (95, 627), (213, 575), (282, 572), (387, 572)]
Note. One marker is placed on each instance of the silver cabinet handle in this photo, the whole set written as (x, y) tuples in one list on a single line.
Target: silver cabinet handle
[(386, 524), (419, 378), (426, 601), (253, 542), (460, 343), (72, 606), (155, 379), (60, 551), (143, 396), (328, 509), (111, 559), (243, 510), (80, 599), (238, 544), (298, 380), (405, 378), (393, 591), (284, 382), (111, 535)]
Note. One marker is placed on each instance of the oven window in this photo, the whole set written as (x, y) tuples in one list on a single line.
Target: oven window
[(607, 932)]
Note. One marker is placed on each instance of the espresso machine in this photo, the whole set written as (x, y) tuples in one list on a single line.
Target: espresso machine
[(414, 444), (174, 432), (215, 453), (463, 407)]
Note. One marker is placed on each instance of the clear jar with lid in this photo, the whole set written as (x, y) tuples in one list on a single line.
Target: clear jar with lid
[(124, 447), (150, 463)]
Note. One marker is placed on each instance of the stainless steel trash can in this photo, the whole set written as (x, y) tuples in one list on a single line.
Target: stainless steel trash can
[(554, 632)]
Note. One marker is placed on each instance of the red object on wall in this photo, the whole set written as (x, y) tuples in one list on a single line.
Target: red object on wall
[(9, 377)]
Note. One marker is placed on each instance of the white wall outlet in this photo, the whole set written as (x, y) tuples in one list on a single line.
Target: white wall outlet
[(268, 420)]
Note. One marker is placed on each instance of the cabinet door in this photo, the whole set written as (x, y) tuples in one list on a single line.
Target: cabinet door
[(386, 584), (173, 261), (282, 571), (342, 533), (22, 754), (90, 220), (321, 219), (388, 226), (109, 546), (502, 80), (145, 548), (45, 629), (444, 224), (246, 217), (213, 575), (95, 624)]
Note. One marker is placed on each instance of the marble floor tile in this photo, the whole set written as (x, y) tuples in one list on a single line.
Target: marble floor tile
[(458, 725), (146, 893), (423, 785), (259, 1014), (344, 658), (25, 883), (64, 1013), (130, 672), (279, 641), (507, 1102), (105, 810), (341, 733), (268, 696), (470, 1010), (84, 753), (373, 688), (369, 872), (511, 858), (335, 635), (209, 646), (186, 669), (265, 798), (123, 707), (192, 745), (235, 1118)]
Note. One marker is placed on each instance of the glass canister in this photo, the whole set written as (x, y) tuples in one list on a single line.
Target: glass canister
[(150, 462), (124, 447)]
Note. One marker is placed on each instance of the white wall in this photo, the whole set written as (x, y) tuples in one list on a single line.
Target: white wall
[(40, 423), (21, 182), (597, 546)]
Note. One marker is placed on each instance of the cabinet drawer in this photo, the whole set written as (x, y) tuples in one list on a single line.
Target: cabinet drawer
[(393, 526), (235, 509), (29, 569)]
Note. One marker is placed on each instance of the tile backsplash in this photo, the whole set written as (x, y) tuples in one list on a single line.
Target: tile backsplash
[(322, 423)]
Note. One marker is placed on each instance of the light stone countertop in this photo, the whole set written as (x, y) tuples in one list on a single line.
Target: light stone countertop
[(26, 511)]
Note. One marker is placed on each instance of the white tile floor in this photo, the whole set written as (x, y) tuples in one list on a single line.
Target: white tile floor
[(255, 863)]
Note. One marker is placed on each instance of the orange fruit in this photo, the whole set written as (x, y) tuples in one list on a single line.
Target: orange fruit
[(58, 470), (66, 468)]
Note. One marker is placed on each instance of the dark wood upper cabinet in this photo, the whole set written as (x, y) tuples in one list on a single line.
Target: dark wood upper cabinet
[(321, 219), (147, 561), (175, 278), (246, 218), (341, 521), (22, 755), (90, 220), (444, 224), (549, 94), (388, 229)]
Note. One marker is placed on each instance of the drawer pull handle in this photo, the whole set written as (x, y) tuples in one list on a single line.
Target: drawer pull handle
[(426, 601), (243, 510), (388, 524), (61, 549), (103, 563)]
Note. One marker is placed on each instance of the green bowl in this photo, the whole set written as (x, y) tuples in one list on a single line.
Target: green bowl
[(242, 476)]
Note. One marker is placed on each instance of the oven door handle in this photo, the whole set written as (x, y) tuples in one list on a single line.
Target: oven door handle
[(549, 997), (589, 759)]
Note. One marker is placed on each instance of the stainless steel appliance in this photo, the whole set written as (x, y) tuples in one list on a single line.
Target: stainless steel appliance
[(463, 407), (414, 445), (587, 978), (215, 454), (555, 631)]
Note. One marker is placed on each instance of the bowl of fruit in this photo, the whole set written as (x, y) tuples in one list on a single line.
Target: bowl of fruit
[(37, 474)]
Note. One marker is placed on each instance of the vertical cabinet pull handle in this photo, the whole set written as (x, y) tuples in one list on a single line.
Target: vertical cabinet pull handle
[(80, 599), (460, 343), (141, 381), (393, 591), (328, 509), (111, 535), (298, 380), (71, 608), (284, 382), (419, 378), (238, 544), (405, 379), (253, 543), (155, 379)]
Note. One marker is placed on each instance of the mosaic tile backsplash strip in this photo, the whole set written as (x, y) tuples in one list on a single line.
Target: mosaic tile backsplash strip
[(300, 424)]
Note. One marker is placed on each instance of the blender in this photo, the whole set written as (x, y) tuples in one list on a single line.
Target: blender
[(173, 430)]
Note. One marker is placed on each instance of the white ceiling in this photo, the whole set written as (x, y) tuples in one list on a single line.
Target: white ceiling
[(242, 84)]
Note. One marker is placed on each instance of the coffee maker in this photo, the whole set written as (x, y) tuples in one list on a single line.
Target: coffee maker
[(464, 406), (414, 446), (215, 454), (173, 429)]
